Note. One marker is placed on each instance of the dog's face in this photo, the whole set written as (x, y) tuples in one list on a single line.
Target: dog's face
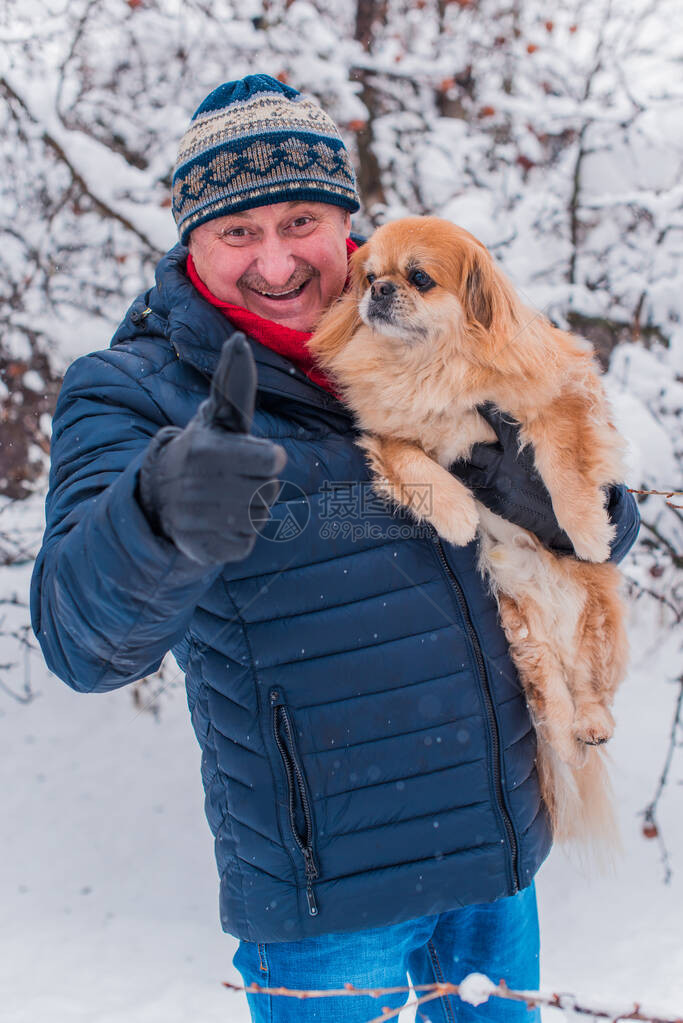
[(420, 277), (421, 285), (396, 288)]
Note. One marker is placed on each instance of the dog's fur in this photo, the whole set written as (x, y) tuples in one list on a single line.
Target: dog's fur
[(413, 364)]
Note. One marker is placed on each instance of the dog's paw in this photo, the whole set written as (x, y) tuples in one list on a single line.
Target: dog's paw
[(564, 745), (455, 520), (594, 725), (588, 548), (593, 544)]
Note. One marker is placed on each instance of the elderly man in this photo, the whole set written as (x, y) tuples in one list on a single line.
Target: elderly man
[(367, 753)]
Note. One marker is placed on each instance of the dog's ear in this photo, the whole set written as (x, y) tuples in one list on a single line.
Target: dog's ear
[(479, 297), (338, 324), (355, 281), (489, 301)]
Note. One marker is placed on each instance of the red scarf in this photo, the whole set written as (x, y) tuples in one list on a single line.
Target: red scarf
[(284, 340)]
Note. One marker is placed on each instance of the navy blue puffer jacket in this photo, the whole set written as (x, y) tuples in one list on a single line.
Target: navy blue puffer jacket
[(367, 753)]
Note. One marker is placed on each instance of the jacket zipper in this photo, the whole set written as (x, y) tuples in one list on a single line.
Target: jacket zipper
[(488, 699), (295, 778)]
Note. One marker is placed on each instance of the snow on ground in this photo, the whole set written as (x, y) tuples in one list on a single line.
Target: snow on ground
[(109, 901), (109, 905)]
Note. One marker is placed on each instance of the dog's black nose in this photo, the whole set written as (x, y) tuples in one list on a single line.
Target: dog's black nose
[(382, 289)]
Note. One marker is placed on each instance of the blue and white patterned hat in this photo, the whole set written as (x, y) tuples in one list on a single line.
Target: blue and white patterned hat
[(254, 142)]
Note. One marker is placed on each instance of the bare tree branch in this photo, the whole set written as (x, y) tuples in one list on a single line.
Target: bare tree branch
[(100, 205), (475, 989)]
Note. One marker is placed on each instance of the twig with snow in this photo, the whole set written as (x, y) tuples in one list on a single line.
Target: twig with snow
[(650, 827), (104, 207), (475, 989), (664, 493)]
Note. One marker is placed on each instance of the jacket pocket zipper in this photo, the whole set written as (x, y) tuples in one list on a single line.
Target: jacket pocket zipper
[(284, 737), (488, 699)]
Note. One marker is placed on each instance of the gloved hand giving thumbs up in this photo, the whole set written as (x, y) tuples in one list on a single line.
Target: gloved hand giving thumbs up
[(198, 484)]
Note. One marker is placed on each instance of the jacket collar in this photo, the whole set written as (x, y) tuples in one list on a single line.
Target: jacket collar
[(198, 330)]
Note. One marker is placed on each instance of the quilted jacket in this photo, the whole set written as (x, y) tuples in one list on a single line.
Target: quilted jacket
[(366, 749)]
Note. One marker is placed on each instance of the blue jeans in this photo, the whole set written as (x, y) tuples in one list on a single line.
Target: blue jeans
[(500, 939)]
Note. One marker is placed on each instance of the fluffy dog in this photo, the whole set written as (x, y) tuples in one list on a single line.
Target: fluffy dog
[(429, 329)]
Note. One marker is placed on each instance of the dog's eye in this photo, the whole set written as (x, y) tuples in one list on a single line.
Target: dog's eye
[(420, 279), (370, 278)]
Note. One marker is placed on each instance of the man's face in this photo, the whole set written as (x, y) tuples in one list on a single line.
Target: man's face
[(285, 262)]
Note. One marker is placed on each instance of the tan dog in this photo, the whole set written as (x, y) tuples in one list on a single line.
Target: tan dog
[(429, 329)]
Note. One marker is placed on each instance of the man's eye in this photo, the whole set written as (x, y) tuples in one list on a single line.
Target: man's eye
[(370, 278), (231, 232), (302, 221), (420, 279)]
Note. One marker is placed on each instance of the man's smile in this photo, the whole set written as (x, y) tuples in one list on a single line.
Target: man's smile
[(283, 296)]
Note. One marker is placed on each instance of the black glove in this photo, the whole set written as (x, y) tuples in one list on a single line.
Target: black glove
[(198, 485), (506, 481)]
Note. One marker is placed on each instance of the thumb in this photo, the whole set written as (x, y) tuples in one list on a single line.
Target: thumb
[(230, 404), (493, 416), (503, 424)]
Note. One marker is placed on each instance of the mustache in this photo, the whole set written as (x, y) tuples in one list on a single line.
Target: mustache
[(301, 274)]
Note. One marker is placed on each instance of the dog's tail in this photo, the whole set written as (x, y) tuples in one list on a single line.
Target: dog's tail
[(581, 805)]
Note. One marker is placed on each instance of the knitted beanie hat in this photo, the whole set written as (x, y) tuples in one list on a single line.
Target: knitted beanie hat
[(255, 142)]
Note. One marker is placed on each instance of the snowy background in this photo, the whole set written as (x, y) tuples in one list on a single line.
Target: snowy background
[(556, 136)]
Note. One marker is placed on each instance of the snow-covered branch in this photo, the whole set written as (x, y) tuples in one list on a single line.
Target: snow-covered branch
[(475, 989)]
